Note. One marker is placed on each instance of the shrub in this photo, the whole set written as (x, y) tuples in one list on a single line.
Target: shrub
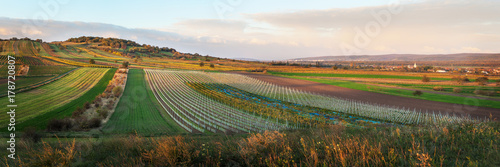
[(335, 67), (438, 88), (485, 92), (482, 80), (91, 61), (212, 65), (86, 105), (426, 79), (459, 79), (93, 123), (125, 64), (103, 114), (202, 64), (457, 90), (60, 124), (78, 112), (417, 93), (117, 91), (32, 135)]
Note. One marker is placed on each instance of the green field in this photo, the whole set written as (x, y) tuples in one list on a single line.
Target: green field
[(67, 109), (405, 93), (57, 98), (22, 82), (139, 111), (354, 76), (466, 90)]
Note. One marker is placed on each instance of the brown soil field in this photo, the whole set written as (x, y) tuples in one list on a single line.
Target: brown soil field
[(377, 98)]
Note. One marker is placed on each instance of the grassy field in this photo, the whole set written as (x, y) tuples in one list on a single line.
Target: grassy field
[(138, 111), (58, 98), (405, 93), (465, 90)]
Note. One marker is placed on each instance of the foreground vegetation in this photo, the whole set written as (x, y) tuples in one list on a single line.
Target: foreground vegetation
[(457, 145)]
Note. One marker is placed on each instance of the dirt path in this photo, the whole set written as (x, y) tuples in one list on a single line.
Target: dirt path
[(377, 98)]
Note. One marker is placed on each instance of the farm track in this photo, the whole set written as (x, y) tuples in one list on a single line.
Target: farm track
[(376, 98)]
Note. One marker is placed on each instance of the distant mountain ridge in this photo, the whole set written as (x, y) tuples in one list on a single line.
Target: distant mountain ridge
[(408, 57)]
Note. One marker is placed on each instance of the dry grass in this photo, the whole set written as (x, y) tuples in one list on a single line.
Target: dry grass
[(460, 145)]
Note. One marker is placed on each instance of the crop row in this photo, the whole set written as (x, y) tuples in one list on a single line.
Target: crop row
[(379, 112), (198, 113), (53, 56), (51, 96)]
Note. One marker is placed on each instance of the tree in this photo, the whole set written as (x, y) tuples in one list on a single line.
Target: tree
[(426, 79), (202, 64), (482, 80), (460, 80), (91, 61), (417, 93), (212, 65), (335, 67)]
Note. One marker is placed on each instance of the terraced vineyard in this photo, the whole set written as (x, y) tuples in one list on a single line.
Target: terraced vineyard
[(138, 111), (54, 95), (55, 57), (220, 102)]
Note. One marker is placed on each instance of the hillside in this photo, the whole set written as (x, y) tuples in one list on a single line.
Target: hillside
[(111, 53), (408, 57)]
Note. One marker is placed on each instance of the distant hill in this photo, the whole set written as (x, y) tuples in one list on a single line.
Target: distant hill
[(408, 57)]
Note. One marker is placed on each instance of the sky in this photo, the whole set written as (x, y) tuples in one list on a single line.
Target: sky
[(268, 30)]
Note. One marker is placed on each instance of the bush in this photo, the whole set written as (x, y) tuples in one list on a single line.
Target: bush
[(31, 134), (202, 64), (103, 114), (417, 93), (91, 61), (438, 88), (485, 92), (212, 65), (426, 79), (457, 90), (86, 105), (93, 123), (125, 64), (60, 124), (459, 79), (117, 91), (78, 112), (482, 80), (335, 67)]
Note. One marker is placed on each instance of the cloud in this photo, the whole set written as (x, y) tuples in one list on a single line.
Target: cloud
[(6, 32)]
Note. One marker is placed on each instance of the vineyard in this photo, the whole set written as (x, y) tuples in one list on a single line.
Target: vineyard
[(55, 57), (220, 102), (197, 113), (53, 95), (138, 112)]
